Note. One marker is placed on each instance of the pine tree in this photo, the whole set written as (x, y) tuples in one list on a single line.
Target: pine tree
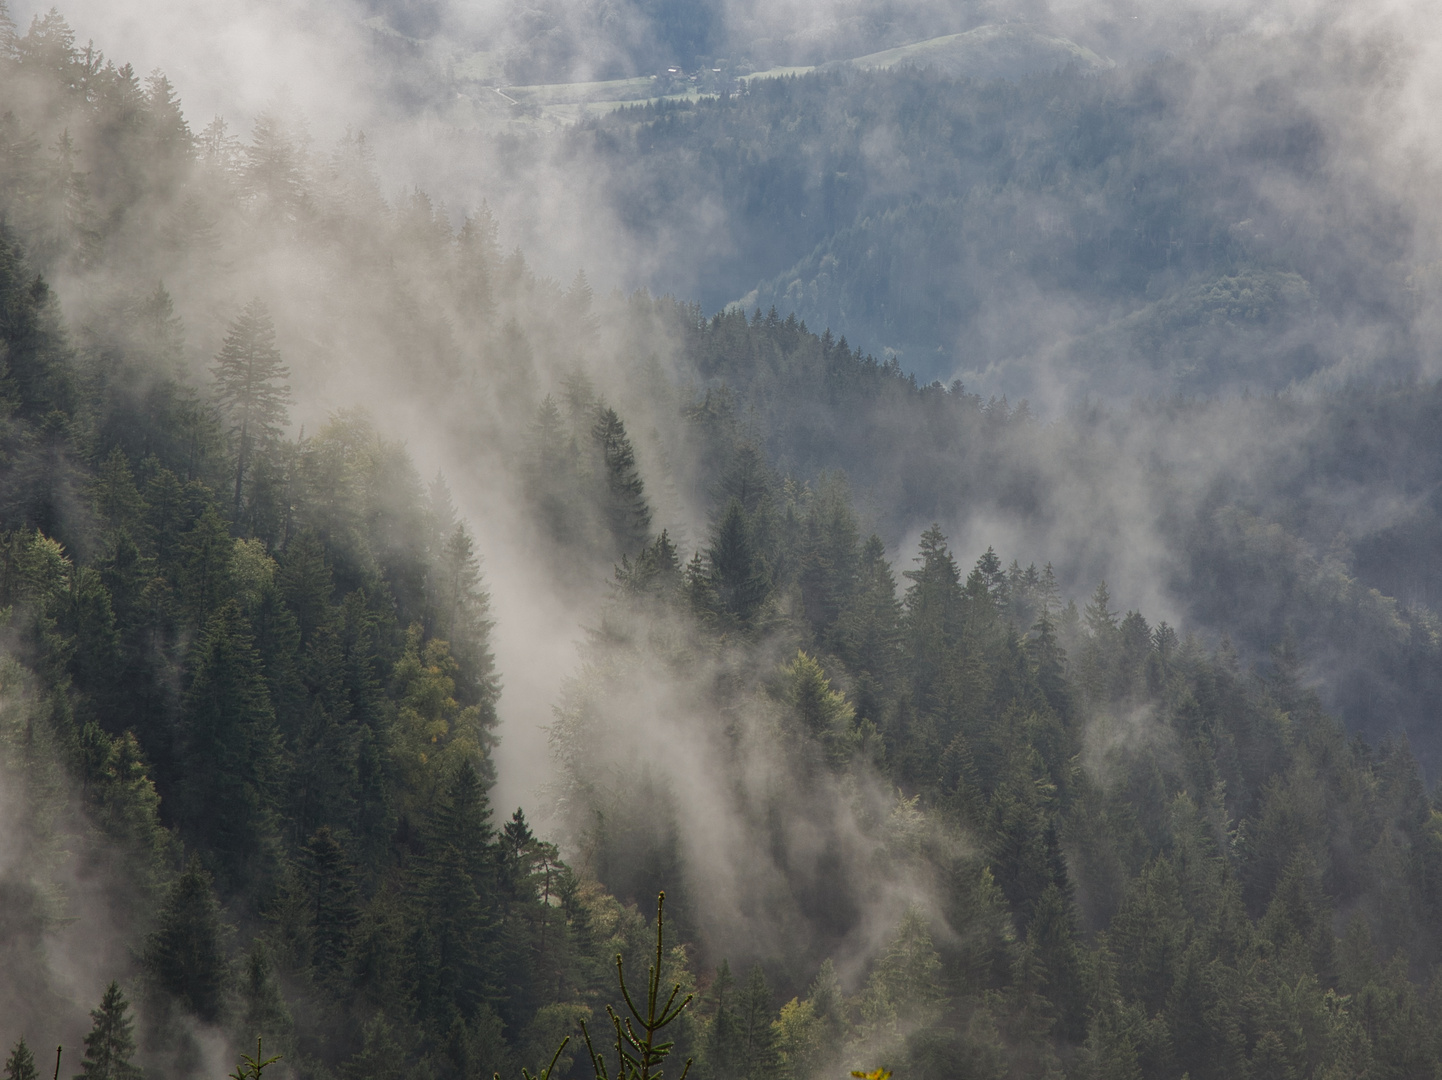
[(249, 385), (933, 614), (185, 957), (737, 572), (111, 1042), (266, 1015), (869, 630), (755, 1049), (462, 616), (379, 1057), (204, 580), (656, 571), (332, 901), (20, 1065), (226, 796), (824, 714), (306, 583), (479, 256), (455, 892), (272, 169), (623, 507), (553, 483), (7, 54), (719, 1056)]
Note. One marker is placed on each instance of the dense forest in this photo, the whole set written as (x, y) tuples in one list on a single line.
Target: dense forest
[(866, 681), (1173, 234)]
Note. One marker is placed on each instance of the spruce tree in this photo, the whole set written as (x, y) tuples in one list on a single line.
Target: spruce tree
[(20, 1065), (933, 614), (332, 900), (266, 1015), (249, 386), (185, 957), (455, 894), (230, 745), (719, 1052), (623, 507), (738, 573), (755, 1055), (111, 1042), (462, 612)]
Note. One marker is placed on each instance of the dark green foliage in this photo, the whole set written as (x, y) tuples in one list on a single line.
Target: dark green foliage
[(248, 388), (227, 793), (20, 1065), (185, 958), (36, 378), (753, 1052), (265, 1011), (624, 511), (331, 902), (1135, 849), (111, 1043), (738, 577), (640, 1052)]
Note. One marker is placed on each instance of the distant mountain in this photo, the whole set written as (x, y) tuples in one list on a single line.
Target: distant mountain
[(1005, 51)]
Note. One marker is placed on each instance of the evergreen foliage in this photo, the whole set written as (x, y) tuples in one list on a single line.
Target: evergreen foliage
[(185, 957), (111, 1043), (20, 1065), (248, 388), (1144, 851)]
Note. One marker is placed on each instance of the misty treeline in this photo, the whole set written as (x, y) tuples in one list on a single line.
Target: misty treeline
[(939, 814), (1192, 224)]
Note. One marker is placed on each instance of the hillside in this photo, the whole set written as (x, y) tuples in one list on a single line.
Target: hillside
[(963, 741), (1008, 51)]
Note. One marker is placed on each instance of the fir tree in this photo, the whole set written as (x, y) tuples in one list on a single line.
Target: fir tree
[(266, 1015), (463, 618), (20, 1065), (754, 1055), (249, 386), (111, 1042), (332, 902), (624, 508), (230, 745), (737, 571), (185, 956)]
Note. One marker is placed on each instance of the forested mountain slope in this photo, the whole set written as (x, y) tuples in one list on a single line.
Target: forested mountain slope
[(946, 816), (1194, 224)]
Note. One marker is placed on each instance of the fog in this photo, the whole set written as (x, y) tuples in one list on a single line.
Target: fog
[(1111, 493)]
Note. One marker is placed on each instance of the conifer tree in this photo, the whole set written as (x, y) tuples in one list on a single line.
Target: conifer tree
[(249, 386), (185, 956), (455, 892), (463, 618), (624, 508), (824, 714), (933, 614), (380, 1054), (719, 1055), (111, 1042), (272, 169), (333, 912), (230, 745), (869, 631), (7, 54), (20, 1065), (737, 572), (656, 571), (479, 256), (306, 583), (755, 1048), (266, 1015)]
